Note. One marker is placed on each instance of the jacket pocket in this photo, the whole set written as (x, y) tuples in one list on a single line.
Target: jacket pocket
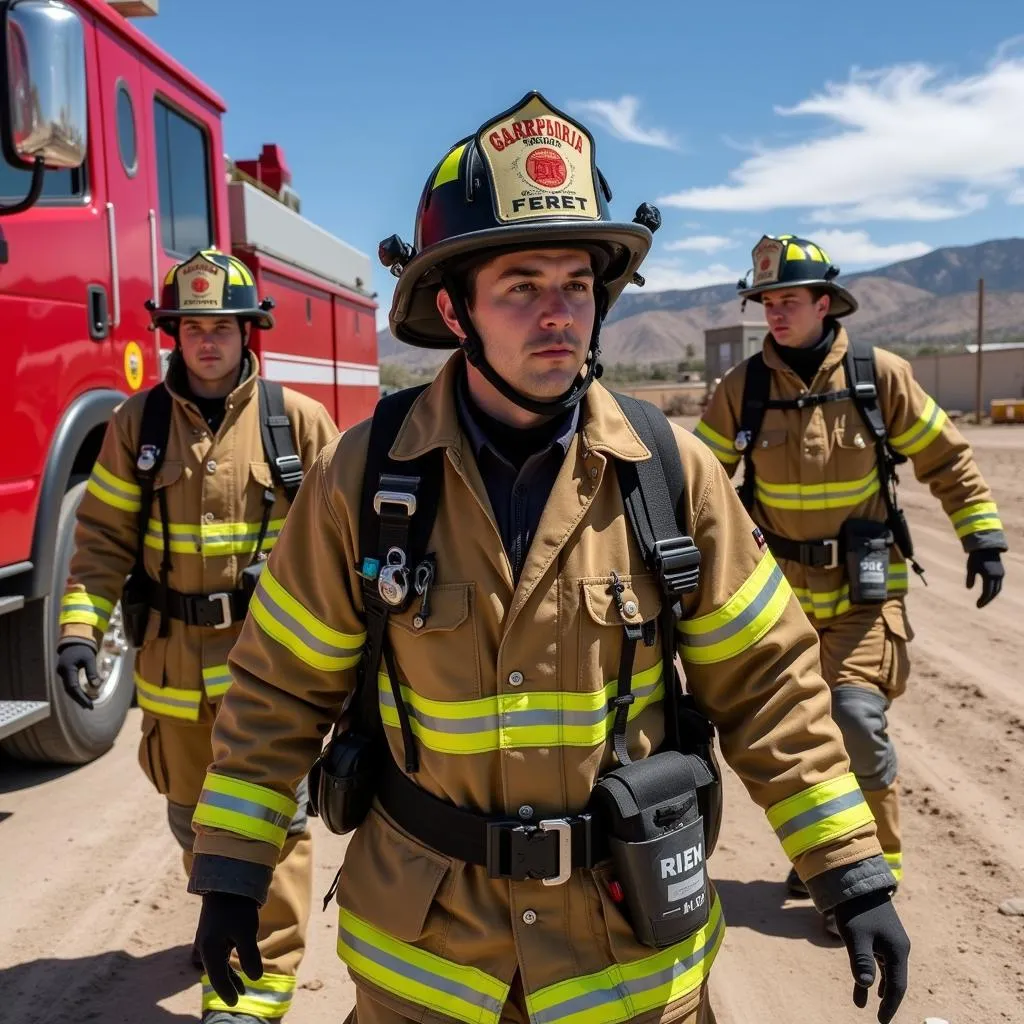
[(438, 655), (602, 632), (389, 879), (895, 669)]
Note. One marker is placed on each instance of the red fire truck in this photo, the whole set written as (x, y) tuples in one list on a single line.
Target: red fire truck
[(113, 169)]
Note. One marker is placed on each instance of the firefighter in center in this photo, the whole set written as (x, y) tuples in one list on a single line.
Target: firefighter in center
[(497, 683)]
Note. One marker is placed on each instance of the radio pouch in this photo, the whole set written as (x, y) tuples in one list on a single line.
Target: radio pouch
[(867, 546)]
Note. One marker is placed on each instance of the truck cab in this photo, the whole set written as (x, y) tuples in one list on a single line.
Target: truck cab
[(135, 179)]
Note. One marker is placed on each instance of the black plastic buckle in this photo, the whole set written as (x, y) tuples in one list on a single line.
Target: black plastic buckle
[(210, 610), (542, 851), (677, 562), (820, 554), (290, 468), (865, 389)]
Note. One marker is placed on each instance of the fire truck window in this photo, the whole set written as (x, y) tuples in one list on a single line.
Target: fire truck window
[(126, 143), (57, 185), (183, 175)]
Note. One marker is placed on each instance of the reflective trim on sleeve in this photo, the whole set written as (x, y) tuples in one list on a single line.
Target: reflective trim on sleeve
[(926, 429), (741, 621), (814, 497), (463, 993), (168, 701), (267, 999), (626, 991), (112, 490), (976, 518), (723, 448), (86, 609), (820, 815), (245, 809), (285, 620)]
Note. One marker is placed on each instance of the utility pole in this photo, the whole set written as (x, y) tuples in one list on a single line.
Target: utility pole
[(981, 329)]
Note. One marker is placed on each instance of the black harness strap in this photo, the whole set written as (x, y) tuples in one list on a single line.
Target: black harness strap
[(757, 386)]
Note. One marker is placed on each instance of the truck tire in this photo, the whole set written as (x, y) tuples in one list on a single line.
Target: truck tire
[(28, 642)]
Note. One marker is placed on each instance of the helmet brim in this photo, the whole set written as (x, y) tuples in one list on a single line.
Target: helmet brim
[(843, 302), (164, 318), (414, 316)]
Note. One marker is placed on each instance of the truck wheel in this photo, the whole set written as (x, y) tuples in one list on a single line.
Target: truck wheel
[(71, 735)]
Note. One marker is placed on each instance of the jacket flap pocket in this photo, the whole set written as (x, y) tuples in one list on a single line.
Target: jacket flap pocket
[(261, 474), (641, 600), (447, 609), (894, 614), (170, 472), (382, 861), (772, 438)]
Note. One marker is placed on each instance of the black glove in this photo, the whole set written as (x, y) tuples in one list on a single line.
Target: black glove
[(872, 931), (71, 656), (229, 922), (989, 565)]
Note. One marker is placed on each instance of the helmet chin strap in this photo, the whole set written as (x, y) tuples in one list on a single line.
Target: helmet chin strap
[(474, 349)]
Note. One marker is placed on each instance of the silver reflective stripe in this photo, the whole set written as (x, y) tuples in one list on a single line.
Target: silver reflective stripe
[(744, 619), (819, 813), (818, 493), (216, 683), (120, 492), (923, 428), (509, 719), (404, 969), (973, 519), (626, 990), (249, 808), (293, 626), (261, 994), (157, 696)]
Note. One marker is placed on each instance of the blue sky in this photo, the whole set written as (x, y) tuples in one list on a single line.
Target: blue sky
[(880, 129)]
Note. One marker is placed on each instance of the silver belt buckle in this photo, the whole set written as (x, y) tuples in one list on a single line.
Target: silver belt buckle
[(403, 498), (224, 599), (833, 546), (564, 830)]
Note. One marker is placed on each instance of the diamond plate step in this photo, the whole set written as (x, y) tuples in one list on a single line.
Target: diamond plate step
[(19, 714)]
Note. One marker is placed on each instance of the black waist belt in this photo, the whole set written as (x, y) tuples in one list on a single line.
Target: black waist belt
[(218, 610), (818, 554), (507, 847)]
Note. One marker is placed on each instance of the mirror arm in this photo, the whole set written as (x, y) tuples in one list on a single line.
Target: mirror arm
[(38, 171)]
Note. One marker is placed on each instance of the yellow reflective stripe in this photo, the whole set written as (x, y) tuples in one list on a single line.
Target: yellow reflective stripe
[(212, 539), (216, 680), (464, 993), (283, 619), (721, 446), (925, 430), (827, 604), (624, 992), (168, 701), (449, 169), (268, 998), (518, 720), (812, 497), (975, 518), (741, 621), (895, 862), (87, 609), (244, 808), (113, 491), (819, 815)]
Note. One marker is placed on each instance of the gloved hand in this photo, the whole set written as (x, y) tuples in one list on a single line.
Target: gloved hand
[(989, 565), (229, 922), (73, 654), (872, 931)]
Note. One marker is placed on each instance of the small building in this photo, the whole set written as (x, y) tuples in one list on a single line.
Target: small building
[(724, 347)]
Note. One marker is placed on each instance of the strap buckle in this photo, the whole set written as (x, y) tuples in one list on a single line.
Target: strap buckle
[(290, 469), (405, 499), (677, 562), (808, 557), (865, 389), (223, 598), (518, 852)]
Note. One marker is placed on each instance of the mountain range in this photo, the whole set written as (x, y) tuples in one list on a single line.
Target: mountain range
[(929, 300)]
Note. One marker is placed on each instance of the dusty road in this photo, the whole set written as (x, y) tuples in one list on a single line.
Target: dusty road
[(95, 925)]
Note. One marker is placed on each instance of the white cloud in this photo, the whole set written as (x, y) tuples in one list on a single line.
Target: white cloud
[(855, 247), (701, 243), (1016, 197), (620, 118), (901, 143), (664, 275)]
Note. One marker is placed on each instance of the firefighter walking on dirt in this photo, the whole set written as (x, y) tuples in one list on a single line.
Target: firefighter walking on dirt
[(497, 573), (819, 422), (188, 493)]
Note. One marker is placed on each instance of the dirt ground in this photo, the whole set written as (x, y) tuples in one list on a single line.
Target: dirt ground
[(95, 924)]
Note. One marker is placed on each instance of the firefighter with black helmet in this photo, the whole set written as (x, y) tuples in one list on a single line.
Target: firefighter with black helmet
[(183, 502), (820, 422), (485, 587)]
